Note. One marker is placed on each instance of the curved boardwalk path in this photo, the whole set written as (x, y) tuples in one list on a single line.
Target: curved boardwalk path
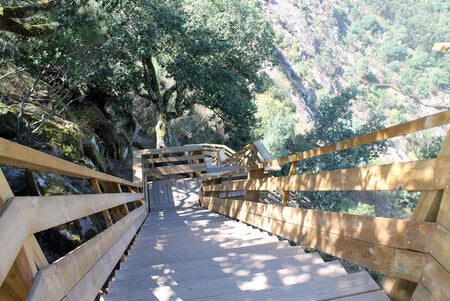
[(184, 252)]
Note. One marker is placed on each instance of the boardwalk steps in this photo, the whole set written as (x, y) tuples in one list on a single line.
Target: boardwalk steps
[(184, 252)]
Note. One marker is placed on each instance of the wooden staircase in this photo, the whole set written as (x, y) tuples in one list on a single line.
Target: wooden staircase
[(184, 252), (215, 250)]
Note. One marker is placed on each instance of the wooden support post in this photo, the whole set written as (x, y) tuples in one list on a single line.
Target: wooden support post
[(199, 152), (132, 190), (105, 213), (286, 193), (254, 155), (431, 207), (20, 278), (216, 194), (253, 195), (119, 211), (229, 181)]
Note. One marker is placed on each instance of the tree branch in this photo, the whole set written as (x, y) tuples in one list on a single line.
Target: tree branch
[(150, 79), (27, 30), (167, 94), (178, 103)]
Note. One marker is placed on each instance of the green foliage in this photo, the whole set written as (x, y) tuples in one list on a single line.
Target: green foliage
[(362, 209), (391, 50), (277, 122), (367, 23), (431, 147), (334, 124), (208, 53), (279, 130)]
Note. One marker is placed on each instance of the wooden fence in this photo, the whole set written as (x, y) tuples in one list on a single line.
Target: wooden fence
[(24, 271), (413, 254)]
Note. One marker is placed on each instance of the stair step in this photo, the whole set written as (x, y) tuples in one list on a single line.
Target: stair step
[(191, 253), (372, 296), (206, 253), (245, 278), (260, 288), (240, 260)]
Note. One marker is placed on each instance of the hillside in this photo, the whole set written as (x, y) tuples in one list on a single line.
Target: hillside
[(381, 50)]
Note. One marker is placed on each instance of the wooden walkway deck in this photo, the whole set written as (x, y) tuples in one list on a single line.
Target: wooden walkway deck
[(184, 252)]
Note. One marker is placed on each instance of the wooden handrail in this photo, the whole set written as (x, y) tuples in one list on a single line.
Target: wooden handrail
[(21, 217), (21, 156), (252, 154), (414, 251), (420, 124), (428, 174), (52, 282), (214, 148)]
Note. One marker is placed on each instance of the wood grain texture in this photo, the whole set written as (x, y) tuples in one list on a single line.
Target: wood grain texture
[(18, 155), (59, 278), (286, 193), (427, 207), (384, 231), (88, 286), (440, 247), (21, 275), (436, 279), (45, 212), (11, 238), (422, 294)]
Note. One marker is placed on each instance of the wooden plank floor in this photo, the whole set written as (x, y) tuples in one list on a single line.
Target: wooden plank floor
[(184, 252)]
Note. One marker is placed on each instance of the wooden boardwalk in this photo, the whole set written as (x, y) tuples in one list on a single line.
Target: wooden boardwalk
[(184, 252)]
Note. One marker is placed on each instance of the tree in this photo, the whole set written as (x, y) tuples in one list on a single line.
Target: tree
[(332, 125), (176, 54)]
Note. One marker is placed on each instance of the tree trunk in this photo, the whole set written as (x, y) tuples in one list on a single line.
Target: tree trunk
[(162, 131)]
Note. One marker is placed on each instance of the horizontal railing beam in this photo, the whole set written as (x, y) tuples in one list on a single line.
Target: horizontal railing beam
[(174, 159), (176, 169), (394, 233), (21, 156), (168, 150), (420, 124), (59, 278), (23, 216), (429, 174), (391, 261), (45, 212)]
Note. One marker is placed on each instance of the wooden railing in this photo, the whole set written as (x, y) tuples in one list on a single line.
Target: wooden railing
[(24, 271), (217, 151), (253, 153), (413, 254), (145, 160)]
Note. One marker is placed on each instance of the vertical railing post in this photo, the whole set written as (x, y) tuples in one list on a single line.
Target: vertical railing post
[(193, 153), (229, 181), (253, 195), (286, 193), (216, 194), (19, 280), (105, 213), (431, 207)]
